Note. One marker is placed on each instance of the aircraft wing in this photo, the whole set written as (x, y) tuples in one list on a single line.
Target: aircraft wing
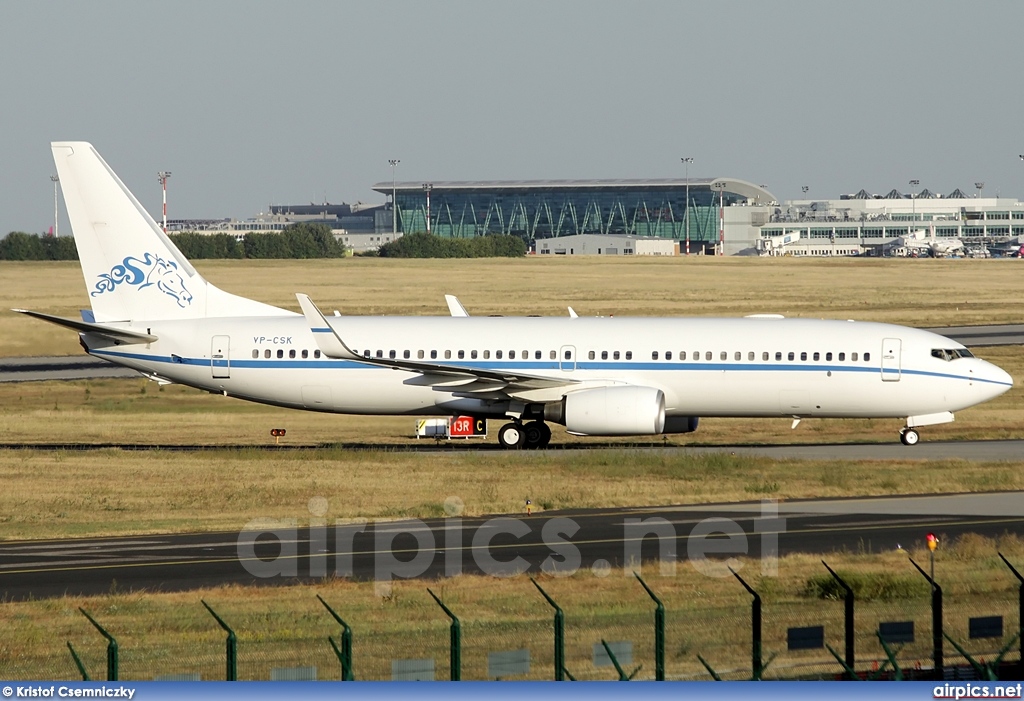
[(330, 344), (117, 334)]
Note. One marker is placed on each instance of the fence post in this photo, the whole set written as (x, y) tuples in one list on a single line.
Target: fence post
[(455, 641), (559, 634), (78, 663), (659, 631), (231, 654), (345, 653), (755, 629), (936, 622), (848, 619), (1020, 615), (112, 665)]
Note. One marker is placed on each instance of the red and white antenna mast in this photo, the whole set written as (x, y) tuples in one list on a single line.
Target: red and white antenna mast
[(162, 177)]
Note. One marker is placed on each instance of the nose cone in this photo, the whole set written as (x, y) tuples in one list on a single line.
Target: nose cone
[(994, 379)]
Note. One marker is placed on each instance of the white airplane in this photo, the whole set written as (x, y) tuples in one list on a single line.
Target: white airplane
[(933, 246), (598, 376)]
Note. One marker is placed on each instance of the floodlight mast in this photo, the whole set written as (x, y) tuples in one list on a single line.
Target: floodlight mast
[(55, 180), (428, 187), (687, 160), (162, 178), (913, 197), (394, 202)]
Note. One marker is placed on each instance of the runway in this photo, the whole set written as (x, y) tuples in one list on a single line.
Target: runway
[(500, 545)]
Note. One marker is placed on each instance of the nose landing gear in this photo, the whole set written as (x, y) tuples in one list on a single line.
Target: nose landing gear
[(909, 436)]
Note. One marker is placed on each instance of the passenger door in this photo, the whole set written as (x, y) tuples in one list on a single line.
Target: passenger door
[(220, 357), (892, 350)]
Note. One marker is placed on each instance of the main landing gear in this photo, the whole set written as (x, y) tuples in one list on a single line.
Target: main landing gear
[(517, 436), (909, 436)]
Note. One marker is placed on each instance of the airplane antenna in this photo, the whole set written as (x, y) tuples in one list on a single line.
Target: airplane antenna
[(162, 177)]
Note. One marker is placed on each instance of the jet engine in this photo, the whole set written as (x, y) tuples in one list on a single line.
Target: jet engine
[(611, 411)]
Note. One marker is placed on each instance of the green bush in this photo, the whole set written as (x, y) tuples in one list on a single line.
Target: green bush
[(18, 245), (424, 245)]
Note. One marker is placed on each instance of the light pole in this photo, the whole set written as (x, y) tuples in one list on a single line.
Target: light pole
[(394, 202), (981, 188), (55, 180), (913, 200), (162, 178), (428, 187), (720, 185), (687, 160)]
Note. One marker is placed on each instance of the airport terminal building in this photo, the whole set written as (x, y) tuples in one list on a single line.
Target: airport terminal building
[(549, 209)]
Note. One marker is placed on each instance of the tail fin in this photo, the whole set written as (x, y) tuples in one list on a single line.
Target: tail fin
[(132, 270)]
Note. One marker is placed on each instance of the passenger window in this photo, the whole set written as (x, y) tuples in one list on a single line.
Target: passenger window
[(828, 356), (654, 355), (590, 355), (305, 353), (668, 355), (707, 355), (472, 354), (778, 355), (487, 355), (803, 355), (419, 355), (280, 353), (750, 355), (537, 355), (604, 355), (366, 354), (764, 355), (853, 356), (497, 354), (724, 355), (447, 355), (568, 355), (266, 353), (817, 355), (255, 353), (553, 355), (511, 355), (867, 357), (433, 355), (615, 355), (406, 354), (629, 355), (526, 355), (682, 355), (842, 356), (291, 353), (738, 356), (380, 354), (791, 355), (462, 354), (316, 354)]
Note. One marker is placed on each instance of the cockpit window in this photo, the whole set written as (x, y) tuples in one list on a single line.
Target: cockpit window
[(950, 354)]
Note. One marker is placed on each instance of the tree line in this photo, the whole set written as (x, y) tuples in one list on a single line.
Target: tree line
[(303, 240)]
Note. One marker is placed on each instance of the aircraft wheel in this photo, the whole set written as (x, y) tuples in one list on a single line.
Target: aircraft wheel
[(909, 436), (537, 434), (512, 436)]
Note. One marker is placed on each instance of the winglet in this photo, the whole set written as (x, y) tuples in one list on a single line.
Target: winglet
[(327, 339), (573, 314), (455, 306)]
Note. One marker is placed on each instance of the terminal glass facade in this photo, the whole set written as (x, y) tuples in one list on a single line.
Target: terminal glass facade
[(552, 211)]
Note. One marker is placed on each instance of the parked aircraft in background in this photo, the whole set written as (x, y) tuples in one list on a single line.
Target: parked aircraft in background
[(153, 311), (921, 242)]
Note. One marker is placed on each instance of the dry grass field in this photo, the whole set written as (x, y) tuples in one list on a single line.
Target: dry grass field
[(707, 613)]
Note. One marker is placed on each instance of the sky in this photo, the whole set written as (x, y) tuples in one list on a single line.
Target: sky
[(256, 103)]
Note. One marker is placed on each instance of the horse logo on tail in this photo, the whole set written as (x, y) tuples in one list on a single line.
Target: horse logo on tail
[(149, 271)]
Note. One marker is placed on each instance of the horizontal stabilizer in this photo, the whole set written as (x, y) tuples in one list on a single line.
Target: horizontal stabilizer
[(112, 332)]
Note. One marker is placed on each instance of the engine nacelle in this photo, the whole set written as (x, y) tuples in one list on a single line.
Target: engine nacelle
[(615, 411), (681, 424)]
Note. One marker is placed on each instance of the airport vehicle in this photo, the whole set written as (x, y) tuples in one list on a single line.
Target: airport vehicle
[(153, 311)]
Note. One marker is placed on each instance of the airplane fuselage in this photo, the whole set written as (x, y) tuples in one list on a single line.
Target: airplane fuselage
[(753, 367)]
